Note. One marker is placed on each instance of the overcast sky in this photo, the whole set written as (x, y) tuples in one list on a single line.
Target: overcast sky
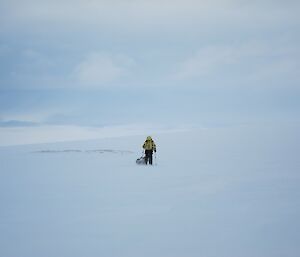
[(96, 63)]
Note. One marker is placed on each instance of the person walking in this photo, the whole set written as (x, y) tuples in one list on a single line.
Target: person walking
[(149, 147)]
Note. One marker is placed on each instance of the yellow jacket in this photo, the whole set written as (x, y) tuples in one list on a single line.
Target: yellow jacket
[(149, 144)]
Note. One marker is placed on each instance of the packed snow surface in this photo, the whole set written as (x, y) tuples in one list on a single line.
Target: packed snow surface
[(220, 192)]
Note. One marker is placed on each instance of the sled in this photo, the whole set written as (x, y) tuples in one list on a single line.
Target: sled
[(141, 160)]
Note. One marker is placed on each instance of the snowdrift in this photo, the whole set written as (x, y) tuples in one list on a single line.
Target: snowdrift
[(215, 193)]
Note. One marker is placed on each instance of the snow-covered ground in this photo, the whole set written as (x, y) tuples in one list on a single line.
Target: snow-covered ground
[(219, 192)]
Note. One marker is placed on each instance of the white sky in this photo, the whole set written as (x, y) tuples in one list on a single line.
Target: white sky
[(88, 63)]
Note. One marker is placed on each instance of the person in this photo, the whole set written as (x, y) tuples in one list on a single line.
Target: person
[(149, 147)]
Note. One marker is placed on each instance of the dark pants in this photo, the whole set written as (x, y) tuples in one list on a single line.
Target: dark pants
[(148, 158)]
